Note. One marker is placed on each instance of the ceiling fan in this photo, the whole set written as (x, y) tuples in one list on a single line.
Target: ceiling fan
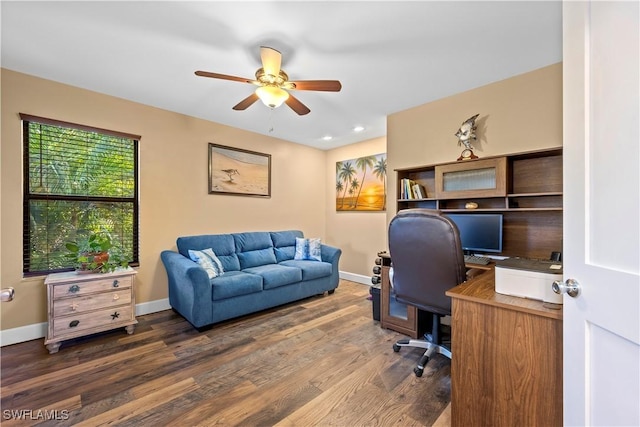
[(274, 83)]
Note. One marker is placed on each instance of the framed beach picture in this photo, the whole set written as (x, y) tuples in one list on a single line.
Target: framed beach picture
[(361, 184), (238, 172)]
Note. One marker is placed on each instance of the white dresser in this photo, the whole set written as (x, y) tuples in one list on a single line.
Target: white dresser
[(83, 304)]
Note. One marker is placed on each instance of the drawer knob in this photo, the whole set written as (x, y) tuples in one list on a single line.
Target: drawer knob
[(116, 297), (74, 323), (74, 306), (115, 315), (116, 283), (73, 289)]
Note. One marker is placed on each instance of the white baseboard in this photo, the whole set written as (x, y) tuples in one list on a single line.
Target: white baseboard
[(152, 307), (23, 333), (39, 330), (358, 278)]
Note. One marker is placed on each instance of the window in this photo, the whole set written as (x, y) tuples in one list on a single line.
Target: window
[(77, 179)]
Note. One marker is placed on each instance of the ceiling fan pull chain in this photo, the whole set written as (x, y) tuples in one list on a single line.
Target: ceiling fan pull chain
[(271, 119)]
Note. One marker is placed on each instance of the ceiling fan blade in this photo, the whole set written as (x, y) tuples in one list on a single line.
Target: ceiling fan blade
[(246, 103), (296, 105), (271, 60), (225, 77), (323, 85)]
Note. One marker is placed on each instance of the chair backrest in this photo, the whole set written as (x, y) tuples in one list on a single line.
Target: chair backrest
[(427, 258)]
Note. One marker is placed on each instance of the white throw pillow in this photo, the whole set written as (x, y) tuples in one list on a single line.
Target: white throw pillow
[(208, 260), (307, 249)]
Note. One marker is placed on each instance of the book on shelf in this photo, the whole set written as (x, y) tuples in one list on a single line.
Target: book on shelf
[(406, 192), (419, 191), (411, 190), (409, 184)]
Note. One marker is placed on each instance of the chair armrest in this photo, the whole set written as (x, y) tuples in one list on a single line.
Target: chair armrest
[(189, 288)]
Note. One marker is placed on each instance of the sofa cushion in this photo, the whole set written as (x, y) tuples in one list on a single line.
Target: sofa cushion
[(235, 283), (307, 249), (256, 258), (284, 244), (310, 269), (252, 241), (275, 275), (284, 253), (254, 249), (223, 245), (208, 260), (285, 238)]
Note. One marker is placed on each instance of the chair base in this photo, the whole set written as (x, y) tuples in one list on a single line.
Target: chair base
[(430, 347)]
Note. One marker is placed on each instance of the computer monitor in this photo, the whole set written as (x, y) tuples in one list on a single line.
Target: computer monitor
[(479, 232)]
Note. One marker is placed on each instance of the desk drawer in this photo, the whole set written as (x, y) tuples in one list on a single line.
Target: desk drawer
[(81, 304), (83, 288), (96, 319)]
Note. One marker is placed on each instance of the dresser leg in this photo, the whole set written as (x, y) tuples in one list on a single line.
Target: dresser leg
[(130, 329), (53, 347)]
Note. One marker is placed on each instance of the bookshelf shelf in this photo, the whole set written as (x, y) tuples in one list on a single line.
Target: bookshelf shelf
[(525, 187), (418, 200)]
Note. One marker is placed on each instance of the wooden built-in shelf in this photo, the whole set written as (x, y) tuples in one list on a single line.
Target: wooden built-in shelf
[(525, 187)]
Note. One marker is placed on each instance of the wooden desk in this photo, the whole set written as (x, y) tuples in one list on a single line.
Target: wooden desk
[(506, 368)]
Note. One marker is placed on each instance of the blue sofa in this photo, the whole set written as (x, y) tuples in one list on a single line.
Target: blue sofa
[(260, 272)]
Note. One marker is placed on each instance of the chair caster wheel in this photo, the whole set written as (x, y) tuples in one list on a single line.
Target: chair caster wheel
[(396, 348), (418, 372)]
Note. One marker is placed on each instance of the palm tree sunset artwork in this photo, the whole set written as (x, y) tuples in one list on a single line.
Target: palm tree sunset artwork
[(361, 184)]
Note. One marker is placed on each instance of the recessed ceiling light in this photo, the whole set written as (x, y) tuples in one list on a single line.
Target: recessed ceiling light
[(358, 128), (327, 137)]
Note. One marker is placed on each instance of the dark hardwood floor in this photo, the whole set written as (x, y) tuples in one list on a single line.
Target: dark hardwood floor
[(320, 361)]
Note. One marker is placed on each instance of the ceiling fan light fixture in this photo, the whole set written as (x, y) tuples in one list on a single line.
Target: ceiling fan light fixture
[(273, 84), (272, 96)]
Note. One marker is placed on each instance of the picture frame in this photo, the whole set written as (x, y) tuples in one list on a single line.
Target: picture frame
[(361, 184), (238, 172)]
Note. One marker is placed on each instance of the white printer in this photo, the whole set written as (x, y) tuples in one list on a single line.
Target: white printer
[(528, 278)]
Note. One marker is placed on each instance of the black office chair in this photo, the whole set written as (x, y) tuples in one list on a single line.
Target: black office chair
[(427, 260)]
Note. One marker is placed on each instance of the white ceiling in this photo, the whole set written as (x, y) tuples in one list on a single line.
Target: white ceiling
[(388, 55)]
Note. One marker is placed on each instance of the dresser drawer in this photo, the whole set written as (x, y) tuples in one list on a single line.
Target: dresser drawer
[(81, 304), (88, 287), (95, 319), (84, 304)]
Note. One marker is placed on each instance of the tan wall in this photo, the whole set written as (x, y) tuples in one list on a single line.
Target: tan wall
[(360, 235), (173, 183), (518, 114)]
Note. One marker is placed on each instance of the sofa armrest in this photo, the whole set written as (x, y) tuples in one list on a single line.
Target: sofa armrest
[(332, 254), (189, 288)]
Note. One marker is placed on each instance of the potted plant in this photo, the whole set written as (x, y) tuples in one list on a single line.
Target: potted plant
[(95, 253)]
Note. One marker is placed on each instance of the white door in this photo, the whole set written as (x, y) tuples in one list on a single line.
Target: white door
[(601, 212)]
